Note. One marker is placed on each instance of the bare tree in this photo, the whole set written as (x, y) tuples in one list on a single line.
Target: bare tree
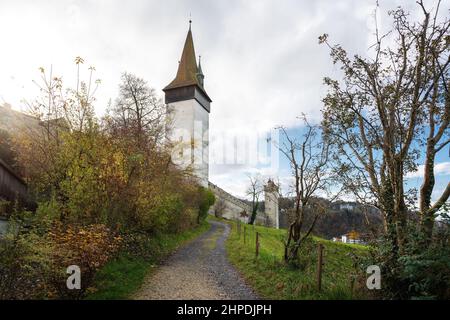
[(254, 191), (220, 207), (390, 108), (59, 107), (56, 111), (309, 161), (138, 112)]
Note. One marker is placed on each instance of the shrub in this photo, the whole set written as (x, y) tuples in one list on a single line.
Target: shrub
[(425, 271), (36, 251), (420, 272), (207, 199), (88, 247), (24, 262), (91, 176)]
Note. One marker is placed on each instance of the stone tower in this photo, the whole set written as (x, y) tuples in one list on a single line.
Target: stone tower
[(188, 106), (271, 195)]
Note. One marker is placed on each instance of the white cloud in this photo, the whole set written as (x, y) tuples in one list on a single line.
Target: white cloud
[(440, 169), (262, 61)]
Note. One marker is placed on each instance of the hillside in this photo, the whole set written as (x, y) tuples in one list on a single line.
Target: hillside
[(272, 279), (341, 218)]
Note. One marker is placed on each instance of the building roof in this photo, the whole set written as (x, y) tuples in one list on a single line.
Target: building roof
[(188, 71)]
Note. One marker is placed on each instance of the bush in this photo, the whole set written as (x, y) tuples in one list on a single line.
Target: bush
[(24, 262), (207, 199), (88, 247), (425, 271), (91, 176), (34, 257), (421, 271)]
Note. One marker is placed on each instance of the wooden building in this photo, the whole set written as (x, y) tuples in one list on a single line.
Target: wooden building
[(12, 186)]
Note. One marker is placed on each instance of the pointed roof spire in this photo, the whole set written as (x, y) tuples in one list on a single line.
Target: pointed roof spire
[(188, 75), (187, 68), (200, 65), (200, 75)]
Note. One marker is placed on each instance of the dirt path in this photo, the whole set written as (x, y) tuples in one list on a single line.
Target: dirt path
[(199, 270)]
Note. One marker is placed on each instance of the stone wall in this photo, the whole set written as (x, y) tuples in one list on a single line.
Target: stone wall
[(234, 208)]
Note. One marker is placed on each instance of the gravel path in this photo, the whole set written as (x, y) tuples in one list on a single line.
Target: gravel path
[(199, 270)]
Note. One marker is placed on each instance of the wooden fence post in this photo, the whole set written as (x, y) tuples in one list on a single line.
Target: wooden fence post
[(352, 285), (245, 229), (239, 228), (257, 244), (319, 266)]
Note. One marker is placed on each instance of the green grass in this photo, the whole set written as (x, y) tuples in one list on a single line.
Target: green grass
[(122, 276), (273, 279)]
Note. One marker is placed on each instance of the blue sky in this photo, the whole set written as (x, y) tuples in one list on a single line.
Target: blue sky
[(413, 179)]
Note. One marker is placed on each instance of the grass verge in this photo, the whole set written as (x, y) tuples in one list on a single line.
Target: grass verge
[(273, 279), (122, 276)]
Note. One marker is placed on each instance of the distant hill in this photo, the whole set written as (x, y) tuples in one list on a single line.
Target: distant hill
[(341, 218)]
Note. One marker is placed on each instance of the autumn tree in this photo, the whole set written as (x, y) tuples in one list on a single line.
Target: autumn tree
[(136, 122), (138, 112), (58, 111), (388, 113), (94, 178), (388, 109)]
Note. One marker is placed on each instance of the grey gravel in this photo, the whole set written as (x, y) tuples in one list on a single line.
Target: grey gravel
[(198, 270)]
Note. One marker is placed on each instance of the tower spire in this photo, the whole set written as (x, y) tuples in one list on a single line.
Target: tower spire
[(200, 64), (187, 68), (189, 80), (200, 75)]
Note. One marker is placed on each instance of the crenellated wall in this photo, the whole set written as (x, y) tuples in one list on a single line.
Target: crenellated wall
[(234, 208)]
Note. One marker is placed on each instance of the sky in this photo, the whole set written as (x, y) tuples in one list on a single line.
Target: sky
[(262, 62)]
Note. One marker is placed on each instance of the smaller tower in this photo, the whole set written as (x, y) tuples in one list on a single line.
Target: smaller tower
[(271, 195), (200, 75)]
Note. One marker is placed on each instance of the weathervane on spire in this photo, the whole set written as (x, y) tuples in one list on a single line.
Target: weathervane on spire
[(190, 20)]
